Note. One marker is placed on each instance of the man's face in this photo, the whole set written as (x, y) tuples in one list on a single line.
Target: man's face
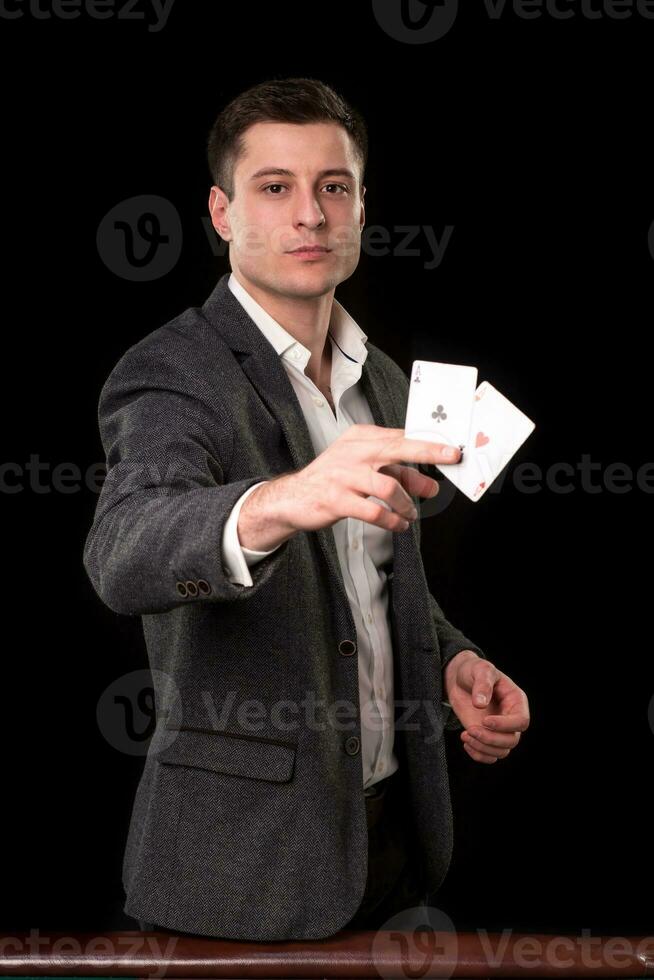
[(273, 214)]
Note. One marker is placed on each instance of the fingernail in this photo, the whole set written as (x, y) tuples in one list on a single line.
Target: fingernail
[(481, 699), (450, 452)]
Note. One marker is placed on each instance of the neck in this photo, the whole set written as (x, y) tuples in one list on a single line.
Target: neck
[(305, 318)]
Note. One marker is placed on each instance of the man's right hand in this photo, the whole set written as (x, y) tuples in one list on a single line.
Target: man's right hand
[(364, 461)]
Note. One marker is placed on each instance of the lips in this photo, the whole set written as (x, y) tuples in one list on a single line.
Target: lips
[(311, 248)]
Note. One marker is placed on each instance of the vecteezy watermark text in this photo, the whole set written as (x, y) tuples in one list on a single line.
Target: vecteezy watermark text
[(559, 477), (128, 718), (154, 12), (140, 239), (36, 945), (425, 21)]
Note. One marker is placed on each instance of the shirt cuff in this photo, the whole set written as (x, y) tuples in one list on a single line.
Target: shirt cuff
[(235, 557)]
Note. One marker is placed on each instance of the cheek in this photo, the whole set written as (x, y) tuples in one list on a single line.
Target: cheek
[(263, 231)]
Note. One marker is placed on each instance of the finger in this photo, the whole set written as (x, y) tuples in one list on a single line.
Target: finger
[(517, 722), (371, 482), (484, 678), (512, 699), (480, 756), (399, 449), (412, 480), (486, 738), (372, 512)]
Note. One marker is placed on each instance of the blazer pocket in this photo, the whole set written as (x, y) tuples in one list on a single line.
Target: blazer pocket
[(233, 755)]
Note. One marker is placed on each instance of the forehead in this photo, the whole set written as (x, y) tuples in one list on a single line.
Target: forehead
[(302, 148)]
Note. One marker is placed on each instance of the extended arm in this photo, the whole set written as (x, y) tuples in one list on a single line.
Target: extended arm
[(155, 541)]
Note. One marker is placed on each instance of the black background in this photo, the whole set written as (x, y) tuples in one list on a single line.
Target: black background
[(531, 139)]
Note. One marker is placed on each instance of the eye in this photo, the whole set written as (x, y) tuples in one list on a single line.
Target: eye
[(343, 187)]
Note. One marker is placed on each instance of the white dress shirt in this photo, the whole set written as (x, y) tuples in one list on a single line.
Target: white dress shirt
[(365, 551)]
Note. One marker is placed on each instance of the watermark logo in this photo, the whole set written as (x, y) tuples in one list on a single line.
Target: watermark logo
[(422, 942), (418, 941), (140, 239), (127, 715), (415, 21)]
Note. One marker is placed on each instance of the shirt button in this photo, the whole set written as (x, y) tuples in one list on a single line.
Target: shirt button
[(370, 617), (296, 354), (381, 766), (319, 402), (355, 543)]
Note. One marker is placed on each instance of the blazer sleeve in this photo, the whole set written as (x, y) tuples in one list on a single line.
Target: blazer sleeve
[(155, 541)]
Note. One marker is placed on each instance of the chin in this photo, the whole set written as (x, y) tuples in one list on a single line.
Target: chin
[(308, 282)]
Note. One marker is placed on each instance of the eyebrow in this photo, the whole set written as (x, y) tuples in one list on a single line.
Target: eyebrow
[(281, 172)]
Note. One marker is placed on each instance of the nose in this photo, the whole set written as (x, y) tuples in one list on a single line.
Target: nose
[(308, 211)]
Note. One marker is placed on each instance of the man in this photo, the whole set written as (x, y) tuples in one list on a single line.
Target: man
[(259, 514)]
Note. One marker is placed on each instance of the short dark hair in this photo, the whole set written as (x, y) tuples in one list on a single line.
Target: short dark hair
[(292, 100)]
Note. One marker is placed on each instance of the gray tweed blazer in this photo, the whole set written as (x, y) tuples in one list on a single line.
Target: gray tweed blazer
[(249, 819)]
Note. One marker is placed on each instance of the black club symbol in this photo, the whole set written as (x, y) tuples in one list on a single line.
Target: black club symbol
[(439, 414)]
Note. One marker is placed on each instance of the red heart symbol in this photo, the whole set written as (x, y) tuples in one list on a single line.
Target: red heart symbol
[(481, 439)]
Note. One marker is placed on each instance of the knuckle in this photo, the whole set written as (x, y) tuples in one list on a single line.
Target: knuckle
[(376, 510), (383, 482)]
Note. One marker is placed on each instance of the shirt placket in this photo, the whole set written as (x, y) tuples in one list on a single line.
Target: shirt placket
[(332, 427)]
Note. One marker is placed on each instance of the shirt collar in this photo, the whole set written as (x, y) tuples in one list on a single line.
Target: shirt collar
[(346, 333)]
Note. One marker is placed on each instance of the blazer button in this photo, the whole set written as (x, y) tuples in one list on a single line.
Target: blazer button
[(204, 586), (347, 647), (352, 745), (181, 588), (192, 589)]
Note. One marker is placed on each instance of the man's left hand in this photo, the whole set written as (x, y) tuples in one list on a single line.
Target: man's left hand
[(492, 709)]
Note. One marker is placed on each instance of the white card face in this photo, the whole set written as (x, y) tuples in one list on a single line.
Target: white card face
[(441, 397), (498, 430)]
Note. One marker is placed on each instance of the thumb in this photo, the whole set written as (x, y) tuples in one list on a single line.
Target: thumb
[(479, 698)]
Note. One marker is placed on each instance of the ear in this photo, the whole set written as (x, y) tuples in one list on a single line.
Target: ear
[(218, 209)]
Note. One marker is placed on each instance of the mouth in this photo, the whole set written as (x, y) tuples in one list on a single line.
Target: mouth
[(310, 250)]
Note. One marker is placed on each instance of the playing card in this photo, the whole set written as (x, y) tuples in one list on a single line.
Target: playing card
[(439, 408), (497, 431)]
